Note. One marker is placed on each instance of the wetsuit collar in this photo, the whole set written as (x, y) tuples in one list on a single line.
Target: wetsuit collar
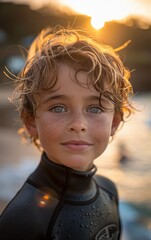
[(64, 182)]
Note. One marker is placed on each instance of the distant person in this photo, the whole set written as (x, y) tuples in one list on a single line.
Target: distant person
[(73, 93), (123, 158)]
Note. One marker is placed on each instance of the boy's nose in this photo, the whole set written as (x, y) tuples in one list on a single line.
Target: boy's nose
[(77, 123)]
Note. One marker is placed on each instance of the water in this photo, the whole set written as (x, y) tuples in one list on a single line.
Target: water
[(127, 161)]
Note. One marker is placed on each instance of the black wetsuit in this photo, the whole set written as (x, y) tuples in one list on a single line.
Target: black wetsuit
[(59, 203)]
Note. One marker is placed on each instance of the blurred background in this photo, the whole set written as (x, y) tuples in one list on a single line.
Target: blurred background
[(127, 161)]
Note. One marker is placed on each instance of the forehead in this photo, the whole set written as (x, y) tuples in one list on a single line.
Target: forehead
[(71, 85), (69, 77)]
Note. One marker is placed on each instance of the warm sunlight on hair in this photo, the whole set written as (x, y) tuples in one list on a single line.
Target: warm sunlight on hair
[(102, 11)]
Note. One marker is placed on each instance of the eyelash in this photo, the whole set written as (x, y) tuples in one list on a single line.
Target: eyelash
[(53, 109), (99, 109), (63, 109)]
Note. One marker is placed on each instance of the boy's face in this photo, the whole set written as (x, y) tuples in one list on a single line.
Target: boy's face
[(70, 124)]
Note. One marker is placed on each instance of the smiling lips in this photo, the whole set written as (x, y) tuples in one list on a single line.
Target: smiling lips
[(76, 145)]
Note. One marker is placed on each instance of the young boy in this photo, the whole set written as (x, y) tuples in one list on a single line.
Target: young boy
[(73, 94)]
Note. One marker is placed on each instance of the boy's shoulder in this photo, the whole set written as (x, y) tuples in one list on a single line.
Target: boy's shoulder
[(107, 185)]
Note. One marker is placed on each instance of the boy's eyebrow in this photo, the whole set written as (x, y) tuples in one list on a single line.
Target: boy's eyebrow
[(63, 97), (49, 98)]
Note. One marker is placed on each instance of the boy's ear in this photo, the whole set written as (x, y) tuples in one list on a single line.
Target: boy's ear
[(30, 126), (115, 123)]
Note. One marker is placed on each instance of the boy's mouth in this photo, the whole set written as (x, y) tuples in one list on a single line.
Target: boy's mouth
[(76, 145)]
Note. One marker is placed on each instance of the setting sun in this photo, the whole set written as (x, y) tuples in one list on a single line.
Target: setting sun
[(97, 23), (102, 11)]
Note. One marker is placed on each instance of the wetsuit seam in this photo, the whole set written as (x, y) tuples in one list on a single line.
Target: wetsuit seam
[(108, 192), (58, 209), (31, 182)]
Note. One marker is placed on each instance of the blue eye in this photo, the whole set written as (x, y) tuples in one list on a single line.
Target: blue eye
[(95, 110), (58, 109)]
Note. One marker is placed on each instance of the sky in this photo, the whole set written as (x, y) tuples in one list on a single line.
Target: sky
[(100, 11)]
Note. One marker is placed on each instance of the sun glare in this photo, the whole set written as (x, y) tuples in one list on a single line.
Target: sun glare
[(97, 23), (102, 11)]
